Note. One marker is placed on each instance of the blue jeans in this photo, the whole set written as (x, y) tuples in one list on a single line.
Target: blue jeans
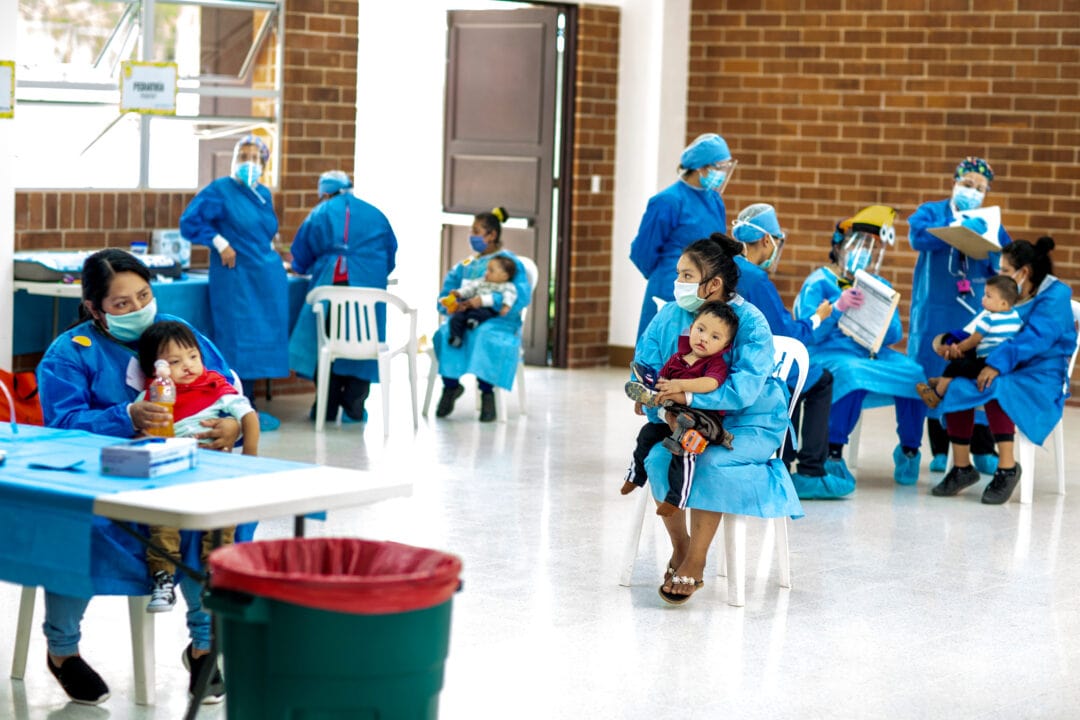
[(64, 614)]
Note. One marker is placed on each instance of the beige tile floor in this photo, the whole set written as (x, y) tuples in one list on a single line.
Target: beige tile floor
[(903, 605)]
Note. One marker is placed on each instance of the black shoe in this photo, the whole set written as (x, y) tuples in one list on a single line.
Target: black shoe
[(1001, 487), (215, 689), (446, 402), (454, 341), (956, 480), (79, 681), (487, 406)]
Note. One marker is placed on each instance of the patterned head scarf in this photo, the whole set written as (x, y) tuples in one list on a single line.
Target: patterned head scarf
[(972, 164), (264, 151)]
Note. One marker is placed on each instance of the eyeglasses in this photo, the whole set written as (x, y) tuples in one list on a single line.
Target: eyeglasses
[(724, 165), (974, 185)]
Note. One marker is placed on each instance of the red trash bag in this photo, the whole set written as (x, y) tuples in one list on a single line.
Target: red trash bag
[(24, 391), (338, 574)]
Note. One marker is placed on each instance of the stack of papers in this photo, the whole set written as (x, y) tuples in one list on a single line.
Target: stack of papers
[(868, 323)]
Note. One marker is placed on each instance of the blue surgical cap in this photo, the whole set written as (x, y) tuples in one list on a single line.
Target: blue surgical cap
[(707, 149), (264, 151), (332, 182), (755, 222)]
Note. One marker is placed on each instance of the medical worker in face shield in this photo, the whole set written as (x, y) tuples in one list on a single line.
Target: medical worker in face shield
[(249, 299), (344, 241), (758, 229), (860, 379), (688, 209), (946, 290)]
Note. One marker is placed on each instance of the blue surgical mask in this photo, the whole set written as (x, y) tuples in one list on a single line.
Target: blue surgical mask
[(249, 173), (130, 327), (775, 254), (686, 296), (965, 198), (713, 179), (857, 259), (477, 243)]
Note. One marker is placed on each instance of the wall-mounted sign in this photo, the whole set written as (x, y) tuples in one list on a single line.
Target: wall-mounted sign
[(7, 88), (148, 88)]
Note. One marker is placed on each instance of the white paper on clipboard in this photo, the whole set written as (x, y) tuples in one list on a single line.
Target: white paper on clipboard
[(868, 323), (975, 245)]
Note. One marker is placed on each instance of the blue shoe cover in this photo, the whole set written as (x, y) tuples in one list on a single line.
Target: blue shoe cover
[(839, 469), (268, 423), (907, 468), (937, 464), (986, 464), (347, 419), (826, 487)]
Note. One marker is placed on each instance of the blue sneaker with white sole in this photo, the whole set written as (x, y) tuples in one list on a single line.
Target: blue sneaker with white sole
[(906, 471)]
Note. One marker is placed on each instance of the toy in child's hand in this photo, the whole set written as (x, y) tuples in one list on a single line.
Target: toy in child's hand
[(450, 302)]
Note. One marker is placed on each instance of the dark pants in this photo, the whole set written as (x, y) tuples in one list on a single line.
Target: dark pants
[(459, 322), (966, 366), (679, 480), (811, 420), (982, 440), (962, 424), (347, 392)]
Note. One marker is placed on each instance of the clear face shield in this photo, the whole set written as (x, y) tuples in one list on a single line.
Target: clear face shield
[(861, 250), (247, 164), (716, 176)]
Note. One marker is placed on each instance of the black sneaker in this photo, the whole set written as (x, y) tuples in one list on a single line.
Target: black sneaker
[(1001, 487), (79, 681), (487, 406), (446, 402), (215, 689), (956, 480)]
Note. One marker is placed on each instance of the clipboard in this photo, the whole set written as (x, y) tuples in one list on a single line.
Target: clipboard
[(868, 323), (969, 242)]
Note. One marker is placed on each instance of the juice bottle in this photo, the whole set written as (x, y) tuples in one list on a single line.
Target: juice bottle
[(162, 391)]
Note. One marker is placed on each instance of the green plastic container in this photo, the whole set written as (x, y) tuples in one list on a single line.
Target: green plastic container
[(298, 663)]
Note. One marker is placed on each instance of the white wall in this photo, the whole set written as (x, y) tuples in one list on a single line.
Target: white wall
[(8, 14), (651, 130), (400, 136)]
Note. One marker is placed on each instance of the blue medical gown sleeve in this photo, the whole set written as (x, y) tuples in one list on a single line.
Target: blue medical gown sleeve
[(928, 215), (756, 287), (660, 218), (1043, 328), (303, 255), (197, 223)]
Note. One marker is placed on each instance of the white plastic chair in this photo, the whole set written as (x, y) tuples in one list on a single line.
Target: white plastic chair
[(352, 333), (1025, 449), (533, 274), (787, 352), (142, 642)]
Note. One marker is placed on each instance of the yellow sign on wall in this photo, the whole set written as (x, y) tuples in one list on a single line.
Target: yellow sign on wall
[(7, 88), (148, 88)]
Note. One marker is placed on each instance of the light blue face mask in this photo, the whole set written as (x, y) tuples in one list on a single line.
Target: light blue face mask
[(686, 296), (713, 179), (966, 198), (249, 173), (857, 259), (477, 243), (131, 326)]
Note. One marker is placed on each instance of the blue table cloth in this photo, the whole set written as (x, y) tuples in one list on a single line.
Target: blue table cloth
[(187, 298), (49, 535)]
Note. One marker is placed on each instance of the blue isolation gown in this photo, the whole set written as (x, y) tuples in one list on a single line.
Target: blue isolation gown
[(889, 375), (759, 290), (675, 217), (747, 480), (369, 253), (1033, 365), (86, 380), (492, 350), (934, 305), (250, 302)]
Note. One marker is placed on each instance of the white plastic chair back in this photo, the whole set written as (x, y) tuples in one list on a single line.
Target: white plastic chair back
[(345, 319), (788, 352), (11, 407)]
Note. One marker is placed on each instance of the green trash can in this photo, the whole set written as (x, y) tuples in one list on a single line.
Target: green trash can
[(332, 628)]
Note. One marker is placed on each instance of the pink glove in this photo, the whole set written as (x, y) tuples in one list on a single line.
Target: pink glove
[(850, 299)]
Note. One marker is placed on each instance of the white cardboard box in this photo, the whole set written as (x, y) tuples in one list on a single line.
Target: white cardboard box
[(149, 457)]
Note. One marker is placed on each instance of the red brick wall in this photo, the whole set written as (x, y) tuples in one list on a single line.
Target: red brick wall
[(594, 154), (847, 103)]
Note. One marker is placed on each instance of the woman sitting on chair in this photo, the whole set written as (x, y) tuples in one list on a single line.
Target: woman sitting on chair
[(492, 349), (344, 241), (1023, 378), (748, 479)]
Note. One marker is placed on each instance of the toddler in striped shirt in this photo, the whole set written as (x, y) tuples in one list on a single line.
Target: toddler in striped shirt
[(967, 349)]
